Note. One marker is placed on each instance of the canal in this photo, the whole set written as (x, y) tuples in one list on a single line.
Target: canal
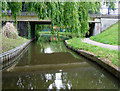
[(48, 64)]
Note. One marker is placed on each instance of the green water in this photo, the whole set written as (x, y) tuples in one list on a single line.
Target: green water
[(50, 65)]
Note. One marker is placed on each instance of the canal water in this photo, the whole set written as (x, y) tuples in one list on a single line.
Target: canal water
[(48, 64)]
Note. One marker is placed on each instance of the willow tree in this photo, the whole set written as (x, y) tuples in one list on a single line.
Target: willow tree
[(63, 14)]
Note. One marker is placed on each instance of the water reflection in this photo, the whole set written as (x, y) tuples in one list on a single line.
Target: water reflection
[(50, 65), (74, 78), (58, 83), (48, 50)]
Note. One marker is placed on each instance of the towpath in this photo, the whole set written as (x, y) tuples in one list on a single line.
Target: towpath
[(113, 47)]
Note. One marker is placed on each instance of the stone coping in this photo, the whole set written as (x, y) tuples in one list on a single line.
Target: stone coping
[(6, 57), (113, 69)]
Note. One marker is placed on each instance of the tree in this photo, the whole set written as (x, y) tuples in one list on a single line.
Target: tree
[(63, 14)]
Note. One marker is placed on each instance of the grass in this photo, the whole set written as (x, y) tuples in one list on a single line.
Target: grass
[(63, 34), (45, 32), (49, 32), (9, 43), (103, 53), (109, 36)]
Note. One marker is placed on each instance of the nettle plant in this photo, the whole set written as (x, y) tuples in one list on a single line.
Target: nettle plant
[(74, 15)]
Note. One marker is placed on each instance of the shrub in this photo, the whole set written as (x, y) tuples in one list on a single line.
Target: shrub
[(9, 31)]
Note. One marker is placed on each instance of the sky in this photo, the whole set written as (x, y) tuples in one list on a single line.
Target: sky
[(104, 9)]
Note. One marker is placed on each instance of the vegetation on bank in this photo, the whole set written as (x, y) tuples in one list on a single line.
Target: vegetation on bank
[(109, 36), (9, 31), (10, 38), (49, 32), (103, 53), (9, 43)]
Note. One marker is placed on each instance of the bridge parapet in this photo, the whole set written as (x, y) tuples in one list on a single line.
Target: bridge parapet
[(104, 16), (24, 16), (21, 14), (91, 15)]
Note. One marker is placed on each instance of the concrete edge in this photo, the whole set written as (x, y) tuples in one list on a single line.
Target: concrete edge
[(113, 69), (11, 54)]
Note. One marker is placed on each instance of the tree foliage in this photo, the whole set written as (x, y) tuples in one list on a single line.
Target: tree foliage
[(63, 14)]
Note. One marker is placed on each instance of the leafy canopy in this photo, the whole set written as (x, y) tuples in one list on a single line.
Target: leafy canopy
[(63, 14)]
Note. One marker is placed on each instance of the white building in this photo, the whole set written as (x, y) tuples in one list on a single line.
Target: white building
[(105, 9)]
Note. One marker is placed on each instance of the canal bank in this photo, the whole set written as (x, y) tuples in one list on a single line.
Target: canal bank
[(113, 69), (50, 65), (8, 58)]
